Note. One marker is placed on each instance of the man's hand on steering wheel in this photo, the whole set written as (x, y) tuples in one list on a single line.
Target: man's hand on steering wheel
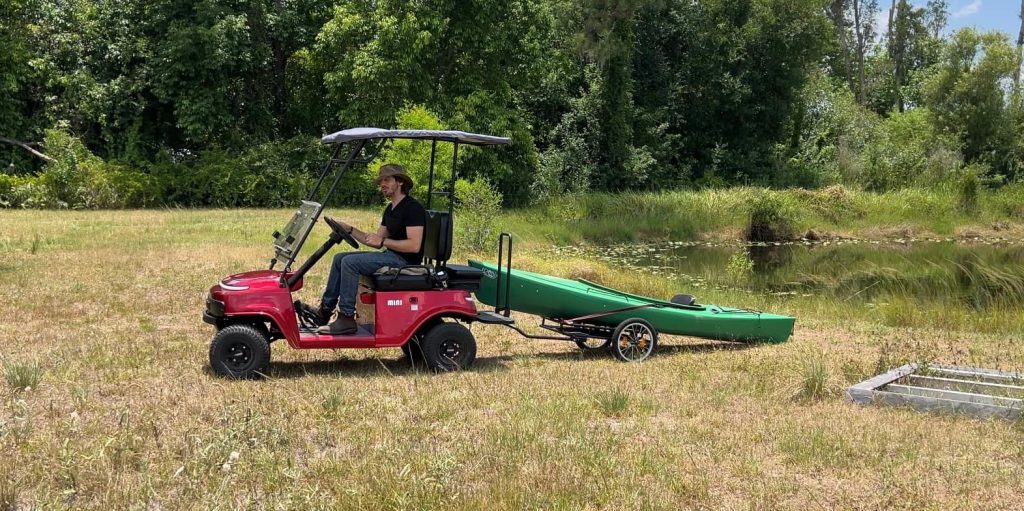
[(343, 230)]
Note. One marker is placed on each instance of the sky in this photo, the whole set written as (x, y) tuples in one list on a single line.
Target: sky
[(1002, 15), (984, 15)]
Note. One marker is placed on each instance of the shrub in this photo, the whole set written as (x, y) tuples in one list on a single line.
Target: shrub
[(906, 149), (814, 377), (478, 205), (967, 193), (20, 191), (21, 376), (269, 175), (771, 219), (740, 266)]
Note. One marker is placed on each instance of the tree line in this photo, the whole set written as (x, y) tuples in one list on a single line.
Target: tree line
[(113, 103)]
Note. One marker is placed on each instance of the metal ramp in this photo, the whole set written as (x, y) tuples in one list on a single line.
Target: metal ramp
[(981, 393)]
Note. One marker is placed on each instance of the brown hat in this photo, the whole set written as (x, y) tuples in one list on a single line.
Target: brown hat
[(395, 171)]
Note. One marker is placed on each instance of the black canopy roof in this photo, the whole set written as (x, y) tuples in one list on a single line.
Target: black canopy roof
[(448, 136)]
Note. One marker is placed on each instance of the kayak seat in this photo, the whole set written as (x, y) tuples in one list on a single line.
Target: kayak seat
[(437, 248), (684, 300)]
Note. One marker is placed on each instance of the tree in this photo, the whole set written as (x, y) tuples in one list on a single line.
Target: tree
[(864, 12), (1020, 46), (967, 97)]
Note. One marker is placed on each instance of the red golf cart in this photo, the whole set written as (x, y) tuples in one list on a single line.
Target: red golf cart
[(423, 309)]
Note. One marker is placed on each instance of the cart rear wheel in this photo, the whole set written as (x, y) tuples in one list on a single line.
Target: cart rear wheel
[(448, 347), (633, 340), (592, 344), (240, 351)]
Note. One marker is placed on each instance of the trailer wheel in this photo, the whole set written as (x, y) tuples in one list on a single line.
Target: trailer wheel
[(240, 351), (448, 347), (633, 340), (591, 343)]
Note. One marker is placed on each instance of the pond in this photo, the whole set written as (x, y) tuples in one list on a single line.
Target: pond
[(981, 277)]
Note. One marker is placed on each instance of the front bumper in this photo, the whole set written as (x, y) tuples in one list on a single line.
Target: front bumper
[(214, 312)]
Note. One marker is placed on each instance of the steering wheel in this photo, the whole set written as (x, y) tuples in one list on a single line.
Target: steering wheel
[(336, 227)]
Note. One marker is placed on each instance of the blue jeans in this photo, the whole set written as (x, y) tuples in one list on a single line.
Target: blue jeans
[(343, 281)]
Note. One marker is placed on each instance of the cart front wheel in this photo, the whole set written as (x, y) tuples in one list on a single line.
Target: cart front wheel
[(592, 344), (633, 340), (240, 351), (448, 347)]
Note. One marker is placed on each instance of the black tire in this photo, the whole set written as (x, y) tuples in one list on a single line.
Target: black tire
[(633, 340), (589, 344), (240, 351), (448, 347)]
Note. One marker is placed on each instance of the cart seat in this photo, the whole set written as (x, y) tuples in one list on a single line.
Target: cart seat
[(434, 272)]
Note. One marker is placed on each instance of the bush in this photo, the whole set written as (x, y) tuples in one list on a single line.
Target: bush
[(21, 191), (907, 150), (771, 219), (478, 205), (967, 193), (269, 175), (77, 179)]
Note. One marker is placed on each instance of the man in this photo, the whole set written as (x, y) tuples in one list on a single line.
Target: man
[(400, 234)]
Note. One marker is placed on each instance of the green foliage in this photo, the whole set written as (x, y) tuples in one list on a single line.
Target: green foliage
[(79, 179), (219, 103), (967, 96), (414, 155), (570, 161), (771, 218), (612, 403), (967, 193), (272, 174), (832, 135), (905, 150), (23, 192), (740, 266), (23, 376), (477, 211), (814, 377)]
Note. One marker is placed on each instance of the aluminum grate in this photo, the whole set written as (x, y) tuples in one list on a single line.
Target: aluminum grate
[(981, 393)]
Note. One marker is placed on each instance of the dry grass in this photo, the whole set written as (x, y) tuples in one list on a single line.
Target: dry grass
[(127, 415)]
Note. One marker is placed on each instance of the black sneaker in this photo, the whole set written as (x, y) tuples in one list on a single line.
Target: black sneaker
[(344, 325)]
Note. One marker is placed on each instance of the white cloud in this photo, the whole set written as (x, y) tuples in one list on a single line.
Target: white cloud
[(968, 10)]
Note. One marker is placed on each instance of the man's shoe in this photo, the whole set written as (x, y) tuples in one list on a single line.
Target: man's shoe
[(344, 325)]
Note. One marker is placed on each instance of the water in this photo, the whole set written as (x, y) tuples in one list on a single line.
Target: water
[(976, 274)]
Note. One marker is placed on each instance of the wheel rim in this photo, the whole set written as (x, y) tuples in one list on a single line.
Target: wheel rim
[(451, 350), (635, 341), (238, 356)]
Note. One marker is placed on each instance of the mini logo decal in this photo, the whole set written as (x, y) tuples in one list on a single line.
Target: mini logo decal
[(394, 303)]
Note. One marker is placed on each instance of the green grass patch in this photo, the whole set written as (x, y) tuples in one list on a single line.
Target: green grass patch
[(23, 375)]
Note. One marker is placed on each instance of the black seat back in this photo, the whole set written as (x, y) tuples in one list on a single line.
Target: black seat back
[(437, 238)]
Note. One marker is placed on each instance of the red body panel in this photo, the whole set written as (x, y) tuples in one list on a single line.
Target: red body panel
[(398, 314)]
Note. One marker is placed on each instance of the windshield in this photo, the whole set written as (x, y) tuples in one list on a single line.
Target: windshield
[(293, 234)]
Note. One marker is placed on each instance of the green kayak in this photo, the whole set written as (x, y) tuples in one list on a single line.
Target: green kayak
[(563, 299)]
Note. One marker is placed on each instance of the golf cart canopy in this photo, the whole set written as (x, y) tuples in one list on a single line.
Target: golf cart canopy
[(448, 136)]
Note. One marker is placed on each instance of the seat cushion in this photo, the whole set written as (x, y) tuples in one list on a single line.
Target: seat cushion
[(462, 277), (406, 278)]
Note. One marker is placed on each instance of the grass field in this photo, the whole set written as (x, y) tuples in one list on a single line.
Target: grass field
[(108, 403)]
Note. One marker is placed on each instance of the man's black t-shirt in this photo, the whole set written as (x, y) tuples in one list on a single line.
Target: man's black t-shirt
[(409, 213)]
